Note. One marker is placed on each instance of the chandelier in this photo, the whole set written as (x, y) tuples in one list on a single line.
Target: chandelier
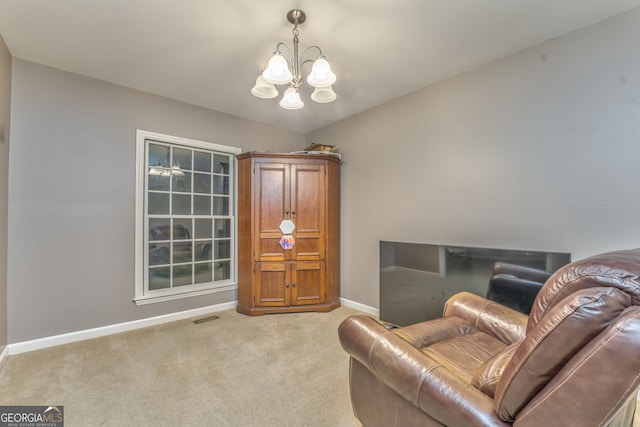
[(281, 71)]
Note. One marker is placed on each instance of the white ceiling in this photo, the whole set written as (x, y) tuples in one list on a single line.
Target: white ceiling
[(209, 52)]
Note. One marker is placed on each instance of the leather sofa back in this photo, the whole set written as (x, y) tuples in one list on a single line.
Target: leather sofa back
[(619, 269), (547, 348), (598, 386)]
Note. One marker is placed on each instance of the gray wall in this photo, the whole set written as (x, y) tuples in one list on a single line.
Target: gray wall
[(71, 196), (539, 150), (5, 109)]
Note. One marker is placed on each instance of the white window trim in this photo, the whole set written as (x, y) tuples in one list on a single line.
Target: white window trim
[(140, 270)]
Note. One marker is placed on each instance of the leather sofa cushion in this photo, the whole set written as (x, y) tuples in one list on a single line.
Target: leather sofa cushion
[(565, 329), (464, 355), (454, 343), (488, 375)]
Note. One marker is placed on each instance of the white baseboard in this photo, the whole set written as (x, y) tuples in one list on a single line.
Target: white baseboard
[(38, 344), (361, 307)]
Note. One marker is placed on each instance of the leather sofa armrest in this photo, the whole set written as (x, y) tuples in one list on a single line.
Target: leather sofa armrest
[(495, 319), (415, 376)]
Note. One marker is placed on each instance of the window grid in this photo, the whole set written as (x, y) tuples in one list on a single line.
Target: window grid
[(188, 218)]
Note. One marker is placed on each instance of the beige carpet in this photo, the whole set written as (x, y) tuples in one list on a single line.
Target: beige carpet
[(273, 370)]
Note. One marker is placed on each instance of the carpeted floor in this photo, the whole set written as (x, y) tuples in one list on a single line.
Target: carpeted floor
[(272, 370), (268, 371)]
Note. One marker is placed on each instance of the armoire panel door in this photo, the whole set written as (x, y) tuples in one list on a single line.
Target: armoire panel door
[(307, 283), (308, 210), (272, 287), (272, 201)]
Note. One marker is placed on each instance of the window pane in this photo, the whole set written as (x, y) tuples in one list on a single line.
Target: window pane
[(182, 158), (182, 275), (158, 155), (158, 179), (204, 273), (158, 204), (202, 183), (189, 208), (220, 163), (159, 278), (181, 204), (220, 184), (159, 229), (182, 229), (202, 161), (201, 205), (221, 206), (203, 229), (203, 251), (223, 270), (222, 228), (159, 253), (182, 182), (223, 249), (182, 252)]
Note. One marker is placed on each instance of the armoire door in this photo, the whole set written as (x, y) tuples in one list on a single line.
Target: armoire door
[(272, 205), (308, 211), (272, 284), (307, 282)]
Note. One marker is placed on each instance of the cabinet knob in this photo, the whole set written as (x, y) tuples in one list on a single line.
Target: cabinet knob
[(293, 285), (286, 285)]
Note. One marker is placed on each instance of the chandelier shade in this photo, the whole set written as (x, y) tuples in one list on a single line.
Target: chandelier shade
[(277, 72), (263, 89), (324, 95), (281, 70), (321, 74), (291, 99)]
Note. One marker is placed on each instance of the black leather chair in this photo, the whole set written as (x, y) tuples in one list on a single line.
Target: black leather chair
[(515, 286)]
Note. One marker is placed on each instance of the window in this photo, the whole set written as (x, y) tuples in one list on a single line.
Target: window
[(185, 225)]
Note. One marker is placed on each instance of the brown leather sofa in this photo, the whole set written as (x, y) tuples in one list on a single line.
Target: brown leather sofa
[(574, 361)]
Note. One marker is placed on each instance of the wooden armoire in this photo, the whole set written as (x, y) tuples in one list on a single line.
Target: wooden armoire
[(288, 232)]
